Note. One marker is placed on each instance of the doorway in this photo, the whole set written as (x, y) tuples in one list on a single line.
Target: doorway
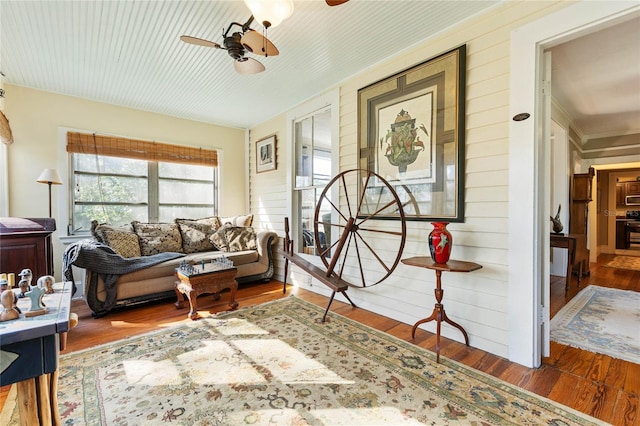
[(529, 192)]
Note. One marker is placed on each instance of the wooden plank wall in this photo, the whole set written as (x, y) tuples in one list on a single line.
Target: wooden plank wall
[(477, 300)]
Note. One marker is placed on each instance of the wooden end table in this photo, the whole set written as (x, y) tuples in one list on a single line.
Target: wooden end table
[(210, 280), (438, 313)]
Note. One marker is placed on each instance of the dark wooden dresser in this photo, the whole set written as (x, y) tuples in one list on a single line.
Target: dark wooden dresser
[(26, 243)]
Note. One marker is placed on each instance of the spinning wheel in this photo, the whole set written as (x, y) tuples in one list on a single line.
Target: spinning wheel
[(379, 245), (364, 251)]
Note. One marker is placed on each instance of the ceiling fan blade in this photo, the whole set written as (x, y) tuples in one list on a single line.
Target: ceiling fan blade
[(199, 41), (258, 44), (248, 66), (336, 2)]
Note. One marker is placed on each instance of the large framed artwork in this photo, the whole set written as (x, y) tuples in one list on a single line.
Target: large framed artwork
[(266, 154), (411, 133)]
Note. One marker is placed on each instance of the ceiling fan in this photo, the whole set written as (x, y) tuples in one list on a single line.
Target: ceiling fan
[(237, 44)]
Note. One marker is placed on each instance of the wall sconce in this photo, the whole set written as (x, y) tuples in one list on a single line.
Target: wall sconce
[(51, 177)]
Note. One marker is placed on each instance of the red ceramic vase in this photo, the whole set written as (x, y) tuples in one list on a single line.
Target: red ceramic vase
[(440, 241)]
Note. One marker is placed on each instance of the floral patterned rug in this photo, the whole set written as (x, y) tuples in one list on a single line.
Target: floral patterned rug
[(603, 320), (625, 262), (277, 364)]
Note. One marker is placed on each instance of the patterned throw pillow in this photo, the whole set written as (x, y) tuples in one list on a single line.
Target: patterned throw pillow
[(124, 243), (158, 237), (196, 233), (234, 238), (240, 220), (98, 230)]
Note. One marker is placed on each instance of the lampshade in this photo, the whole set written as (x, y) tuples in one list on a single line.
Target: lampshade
[(248, 66), (270, 12), (50, 176)]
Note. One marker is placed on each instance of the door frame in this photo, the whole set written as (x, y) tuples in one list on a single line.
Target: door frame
[(528, 223)]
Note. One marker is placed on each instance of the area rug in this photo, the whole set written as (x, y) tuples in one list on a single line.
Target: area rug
[(625, 262), (278, 364), (603, 320)]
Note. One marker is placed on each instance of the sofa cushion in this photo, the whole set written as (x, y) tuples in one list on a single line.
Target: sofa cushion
[(196, 233), (239, 220), (158, 237), (234, 238)]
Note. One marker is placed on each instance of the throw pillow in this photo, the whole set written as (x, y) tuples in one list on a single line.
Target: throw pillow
[(158, 237), (239, 220), (124, 243), (235, 238), (196, 233), (98, 229)]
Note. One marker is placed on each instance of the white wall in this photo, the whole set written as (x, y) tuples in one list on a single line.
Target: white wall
[(477, 300), (37, 117)]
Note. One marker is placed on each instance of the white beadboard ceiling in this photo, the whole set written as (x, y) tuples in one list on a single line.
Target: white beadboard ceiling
[(128, 53)]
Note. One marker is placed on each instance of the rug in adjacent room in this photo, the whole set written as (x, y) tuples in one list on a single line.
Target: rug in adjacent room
[(603, 320), (625, 262), (277, 364)]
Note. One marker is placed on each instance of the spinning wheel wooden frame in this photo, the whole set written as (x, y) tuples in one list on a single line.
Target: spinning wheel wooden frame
[(351, 260)]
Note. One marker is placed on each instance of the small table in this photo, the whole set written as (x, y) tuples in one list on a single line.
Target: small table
[(211, 279), (576, 245), (438, 313), (33, 346)]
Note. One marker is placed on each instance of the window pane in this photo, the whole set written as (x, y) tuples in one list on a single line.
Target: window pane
[(109, 165), (114, 189), (321, 148), (304, 151), (307, 210), (321, 167), (169, 213), (114, 214), (185, 171), (184, 192)]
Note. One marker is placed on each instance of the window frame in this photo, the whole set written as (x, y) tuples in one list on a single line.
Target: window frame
[(66, 197), (330, 100)]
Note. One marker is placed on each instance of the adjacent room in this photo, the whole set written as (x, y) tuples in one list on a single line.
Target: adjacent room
[(327, 212)]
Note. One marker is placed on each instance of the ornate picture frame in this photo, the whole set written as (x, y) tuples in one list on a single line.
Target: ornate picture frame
[(266, 154), (411, 129)]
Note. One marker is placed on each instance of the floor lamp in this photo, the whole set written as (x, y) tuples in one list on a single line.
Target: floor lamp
[(51, 177)]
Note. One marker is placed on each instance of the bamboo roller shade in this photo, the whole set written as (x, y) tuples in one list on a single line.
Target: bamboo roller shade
[(83, 143)]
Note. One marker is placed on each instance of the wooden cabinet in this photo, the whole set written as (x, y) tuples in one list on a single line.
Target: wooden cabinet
[(581, 187), (621, 237), (26, 243), (620, 193), (579, 214), (632, 188)]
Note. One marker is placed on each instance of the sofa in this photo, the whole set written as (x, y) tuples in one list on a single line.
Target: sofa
[(136, 263)]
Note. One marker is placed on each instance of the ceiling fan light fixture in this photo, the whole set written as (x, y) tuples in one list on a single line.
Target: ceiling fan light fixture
[(270, 13), (247, 66)]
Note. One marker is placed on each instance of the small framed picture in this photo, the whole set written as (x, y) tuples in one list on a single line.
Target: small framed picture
[(266, 154)]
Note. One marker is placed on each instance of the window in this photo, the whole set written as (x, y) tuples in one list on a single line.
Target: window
[(313, 170), (119, 190)]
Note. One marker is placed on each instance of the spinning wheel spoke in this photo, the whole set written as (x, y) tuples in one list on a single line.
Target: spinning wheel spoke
[(364, 283), (380, 210), (384, 265), (344, 186), (332, 205), (365, 185), (381, 231), (346, 250)]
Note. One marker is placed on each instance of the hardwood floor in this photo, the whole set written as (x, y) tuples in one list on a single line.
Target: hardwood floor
[(596, 384)]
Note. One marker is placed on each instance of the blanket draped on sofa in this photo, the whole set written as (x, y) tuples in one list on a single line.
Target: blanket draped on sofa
[(103, 260)]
